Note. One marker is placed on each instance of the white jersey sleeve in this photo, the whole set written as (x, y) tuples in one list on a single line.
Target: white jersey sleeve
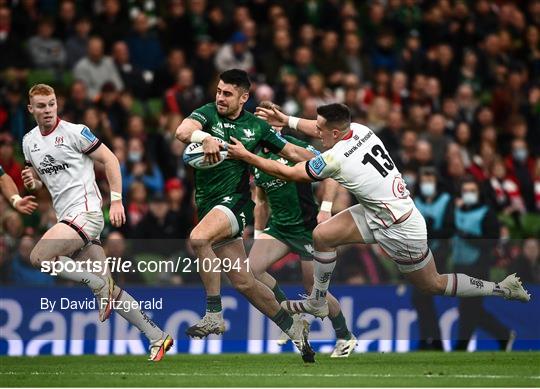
[(361, 164), (322, 166), (61, 161)]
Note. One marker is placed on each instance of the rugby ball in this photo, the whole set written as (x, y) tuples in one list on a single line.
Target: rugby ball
[(194, 155)]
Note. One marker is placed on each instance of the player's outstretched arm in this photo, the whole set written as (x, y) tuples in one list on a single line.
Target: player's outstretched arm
[(294, 153), (270, 113), (112, 170), (274, 168), (190, 131), (25, 205), (261, 212)]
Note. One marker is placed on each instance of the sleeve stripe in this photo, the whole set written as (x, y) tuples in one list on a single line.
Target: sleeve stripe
[(311, 174), (92, 147)]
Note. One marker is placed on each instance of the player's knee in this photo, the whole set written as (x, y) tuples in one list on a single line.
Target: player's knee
[(36, 256), (319, 236), (199, 239), (244, 285)]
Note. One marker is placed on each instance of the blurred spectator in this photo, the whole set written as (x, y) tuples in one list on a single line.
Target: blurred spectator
[(5, 262), (477, 232), (463, 139), (176, 30), (506, 190), (235, 54), (204, 62), (520, 166), (527, 265), (116, 247), (13, 112), (139, 167), (46, 51), (95, 69), (111, 24), (437, 138), (7, 159), (137, 206), (166, 75), (277, 56), (135, 80), (356, 60), (437, 207), (77, 103), (65, 23), (23, 272), (159, 230), (329, 60), (184, 96), (15, 64), (77, 42), (392, 132), (113, 115), (145, 48)]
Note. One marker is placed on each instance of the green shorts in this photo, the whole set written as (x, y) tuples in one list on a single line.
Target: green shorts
[(298, 238), (238, 208)]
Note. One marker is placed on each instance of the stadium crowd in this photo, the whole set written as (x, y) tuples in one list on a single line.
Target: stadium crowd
[(451, 87)]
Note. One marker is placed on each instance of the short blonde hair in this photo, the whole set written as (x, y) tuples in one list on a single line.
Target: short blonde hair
[(40, 90)]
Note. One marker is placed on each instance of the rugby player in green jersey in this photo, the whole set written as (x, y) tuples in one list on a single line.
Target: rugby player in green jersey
[(223, 199), (293, 216)]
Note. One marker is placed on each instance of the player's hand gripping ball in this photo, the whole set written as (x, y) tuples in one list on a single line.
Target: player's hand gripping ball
[(194, 155)]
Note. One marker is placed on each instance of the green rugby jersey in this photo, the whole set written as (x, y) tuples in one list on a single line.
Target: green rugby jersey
[(292, 203), (231, 176)]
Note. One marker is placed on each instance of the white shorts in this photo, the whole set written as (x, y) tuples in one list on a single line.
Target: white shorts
[(405, 243), (87, 224)]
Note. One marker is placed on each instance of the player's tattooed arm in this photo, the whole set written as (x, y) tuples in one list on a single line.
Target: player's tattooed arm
[(274, 168)]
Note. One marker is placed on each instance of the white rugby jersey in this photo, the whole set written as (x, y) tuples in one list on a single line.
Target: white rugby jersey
[(61, 160), (361, 164)]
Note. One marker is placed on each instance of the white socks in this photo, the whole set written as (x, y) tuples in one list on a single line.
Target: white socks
[(323, 266), (462, 285), (137, 317), (84, 277)]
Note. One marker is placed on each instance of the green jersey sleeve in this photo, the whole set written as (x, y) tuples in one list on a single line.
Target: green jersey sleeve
[(2, 172), (272, 140), (203, 115)]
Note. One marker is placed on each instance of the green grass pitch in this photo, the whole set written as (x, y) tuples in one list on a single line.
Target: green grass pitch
[(372, 369)]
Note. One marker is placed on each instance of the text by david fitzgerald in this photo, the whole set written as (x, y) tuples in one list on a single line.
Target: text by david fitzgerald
[(65, 303)]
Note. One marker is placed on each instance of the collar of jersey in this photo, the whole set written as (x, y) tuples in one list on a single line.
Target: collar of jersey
[(54, 128)]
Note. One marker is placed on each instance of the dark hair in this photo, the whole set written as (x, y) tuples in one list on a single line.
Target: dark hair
[(337, 115), (236, 77)]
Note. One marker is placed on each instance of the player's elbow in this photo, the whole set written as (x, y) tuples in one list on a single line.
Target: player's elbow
[(182, 134)]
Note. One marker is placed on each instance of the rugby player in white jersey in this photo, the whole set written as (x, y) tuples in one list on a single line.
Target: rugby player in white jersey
[(357, 159), (60, 156)]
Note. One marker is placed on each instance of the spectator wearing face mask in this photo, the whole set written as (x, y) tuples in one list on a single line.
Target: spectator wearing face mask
[(139, 167), (437, 207), (476, 234), (520, 166)]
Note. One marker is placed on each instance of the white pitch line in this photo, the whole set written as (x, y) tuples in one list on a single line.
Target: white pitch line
[(322, 375)]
